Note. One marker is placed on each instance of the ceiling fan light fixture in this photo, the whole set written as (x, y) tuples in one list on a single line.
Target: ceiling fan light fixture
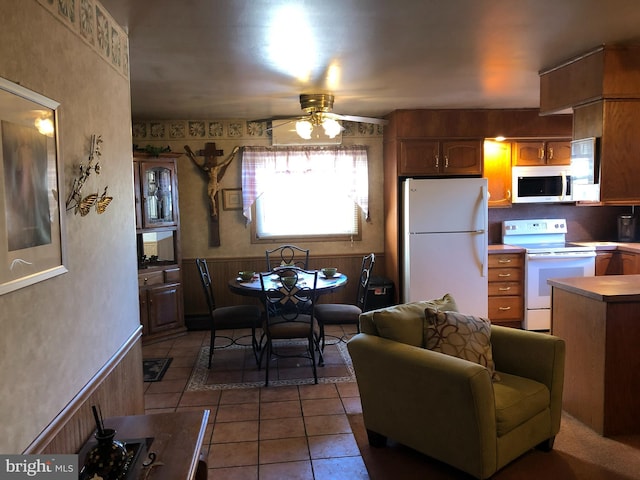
[(316, 102), (304, 129), (331, 127)]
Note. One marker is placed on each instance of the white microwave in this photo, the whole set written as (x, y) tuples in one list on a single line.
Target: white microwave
[(543, 184)]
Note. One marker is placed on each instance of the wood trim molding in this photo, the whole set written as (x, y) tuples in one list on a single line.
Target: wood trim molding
[(117, 387)]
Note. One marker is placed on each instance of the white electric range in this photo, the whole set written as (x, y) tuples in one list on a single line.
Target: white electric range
[(548, 255)]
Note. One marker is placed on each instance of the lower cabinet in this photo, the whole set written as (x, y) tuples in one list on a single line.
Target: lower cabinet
[(617, 263), (161, 308), (506, 289)]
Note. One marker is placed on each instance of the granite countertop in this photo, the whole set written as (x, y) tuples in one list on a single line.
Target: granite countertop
[(606, 288)]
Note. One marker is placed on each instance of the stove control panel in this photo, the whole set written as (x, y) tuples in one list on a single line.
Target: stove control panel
[(534, 227)]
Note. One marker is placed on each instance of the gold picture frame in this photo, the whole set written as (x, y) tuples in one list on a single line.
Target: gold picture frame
[(232, 198), (32, 246)]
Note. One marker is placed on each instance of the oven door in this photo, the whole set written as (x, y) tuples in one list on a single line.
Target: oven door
[(539, 268)]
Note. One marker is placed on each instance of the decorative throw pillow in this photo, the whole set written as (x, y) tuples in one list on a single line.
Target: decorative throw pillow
[(463, 336), (405, 322)]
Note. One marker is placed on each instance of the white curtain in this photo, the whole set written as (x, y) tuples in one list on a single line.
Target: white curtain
[(347, 166)]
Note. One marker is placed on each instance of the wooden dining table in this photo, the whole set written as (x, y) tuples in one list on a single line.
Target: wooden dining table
[(253, 288)]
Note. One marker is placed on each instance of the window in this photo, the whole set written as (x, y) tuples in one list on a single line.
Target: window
[(304, 192)]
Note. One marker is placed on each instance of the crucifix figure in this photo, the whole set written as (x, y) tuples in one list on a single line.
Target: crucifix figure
[(214, 170)]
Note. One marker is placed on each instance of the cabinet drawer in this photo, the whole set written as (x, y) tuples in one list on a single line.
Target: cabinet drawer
[(150, 278), (172, 275), (505, 275), (499, 289), (501, 308), (512, 260)]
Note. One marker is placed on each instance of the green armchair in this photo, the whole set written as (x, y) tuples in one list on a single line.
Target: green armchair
[(449, 408)]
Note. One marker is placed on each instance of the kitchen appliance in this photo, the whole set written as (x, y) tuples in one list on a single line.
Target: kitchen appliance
[(547, 256), (585, 170), (626, 228), (444, 246), (542, 184)]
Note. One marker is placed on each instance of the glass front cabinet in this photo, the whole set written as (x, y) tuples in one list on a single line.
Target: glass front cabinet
[(158, 242)]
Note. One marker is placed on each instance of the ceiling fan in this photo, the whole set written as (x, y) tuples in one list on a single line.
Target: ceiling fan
[(318, 108)]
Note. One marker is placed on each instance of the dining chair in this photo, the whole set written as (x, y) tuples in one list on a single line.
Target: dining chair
[(289, 295), (240, 316), (344, 313), (287, 255)]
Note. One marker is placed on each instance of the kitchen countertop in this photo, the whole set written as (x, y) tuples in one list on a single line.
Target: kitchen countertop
[(500, 248), (604, 246), (605, 288), (599, 246)]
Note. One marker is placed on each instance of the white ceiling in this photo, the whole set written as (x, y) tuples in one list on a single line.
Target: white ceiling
[(214, 59)]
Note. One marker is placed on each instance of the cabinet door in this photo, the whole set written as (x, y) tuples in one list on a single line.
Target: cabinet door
[(558, 152), (164, 307), (144, 309), (497, 170), (608, 263), (419, 157), (629, 263), (158, 194), (137, 195), (529, 153), (462, 157)]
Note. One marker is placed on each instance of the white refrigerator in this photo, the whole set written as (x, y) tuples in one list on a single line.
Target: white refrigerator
[(445, 241)]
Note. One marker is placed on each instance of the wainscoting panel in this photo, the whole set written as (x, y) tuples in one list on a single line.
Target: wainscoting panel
[(117, 388), (224, 269)]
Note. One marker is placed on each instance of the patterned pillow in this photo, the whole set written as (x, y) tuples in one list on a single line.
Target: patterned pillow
[(463, 336), (405, 322)]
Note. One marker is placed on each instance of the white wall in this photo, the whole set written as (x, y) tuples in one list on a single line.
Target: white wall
[(55, 335)]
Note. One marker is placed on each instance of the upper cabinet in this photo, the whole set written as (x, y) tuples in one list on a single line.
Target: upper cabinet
[(542, 152), (156, 199), (603, 89), (497, 171), (440, 157)]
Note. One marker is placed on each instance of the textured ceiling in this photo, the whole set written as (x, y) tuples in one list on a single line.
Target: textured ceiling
[(252, 58)]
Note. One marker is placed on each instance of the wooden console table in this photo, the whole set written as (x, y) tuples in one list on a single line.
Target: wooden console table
[(598, 319), (177, 442)]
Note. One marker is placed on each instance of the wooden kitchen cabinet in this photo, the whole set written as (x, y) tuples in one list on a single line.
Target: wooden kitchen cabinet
[(440, 157), (608, 263), (158, 243), (602, 88), (506, 289), (617, 263), (542, 152), (629, 263), (497, 171)]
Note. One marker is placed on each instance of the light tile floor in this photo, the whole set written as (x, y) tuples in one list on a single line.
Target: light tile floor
[(300, 432)]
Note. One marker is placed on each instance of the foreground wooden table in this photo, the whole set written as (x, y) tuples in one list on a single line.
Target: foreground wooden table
[(599, 321), (177, 442)]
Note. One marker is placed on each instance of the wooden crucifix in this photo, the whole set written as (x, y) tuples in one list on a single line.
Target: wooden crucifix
[(213, 173)]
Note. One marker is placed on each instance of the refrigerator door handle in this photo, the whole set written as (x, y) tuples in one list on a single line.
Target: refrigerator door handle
[(485, 222)]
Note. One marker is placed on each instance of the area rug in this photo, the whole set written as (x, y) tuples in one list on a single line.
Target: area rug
[(235, 367), (153, 369)]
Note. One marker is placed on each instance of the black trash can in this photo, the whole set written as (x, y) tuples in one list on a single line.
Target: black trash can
[(379, 293)]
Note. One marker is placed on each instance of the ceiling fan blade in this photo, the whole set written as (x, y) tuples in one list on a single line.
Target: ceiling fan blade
[(285, 121), (354, 118), (279, 117)]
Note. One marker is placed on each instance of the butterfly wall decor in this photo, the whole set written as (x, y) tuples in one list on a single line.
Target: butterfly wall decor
[(75, 200)]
